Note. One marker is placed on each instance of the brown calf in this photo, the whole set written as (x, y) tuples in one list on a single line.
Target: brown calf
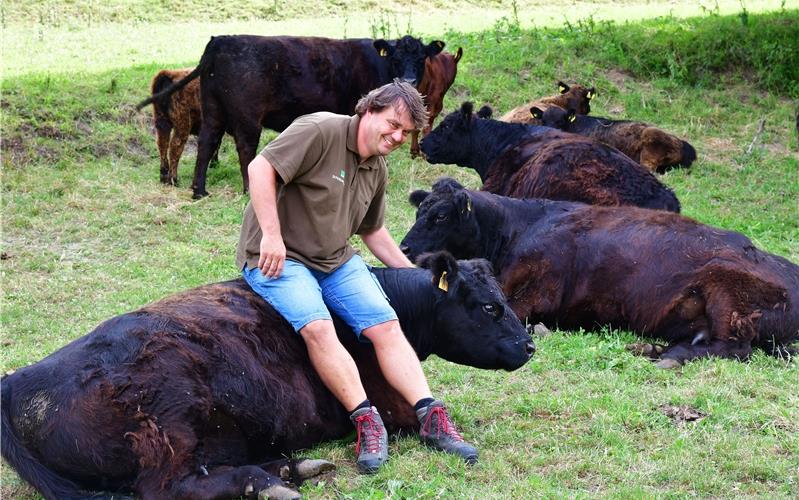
[(575, 97), (439, 74)]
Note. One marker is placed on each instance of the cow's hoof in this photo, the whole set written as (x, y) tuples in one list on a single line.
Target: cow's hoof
[(278, 492), (308, 468), (652, 351), (668, 364), (199, 195)]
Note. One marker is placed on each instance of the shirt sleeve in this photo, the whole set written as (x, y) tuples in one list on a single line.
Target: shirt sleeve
[(296, 150), (373, 220)]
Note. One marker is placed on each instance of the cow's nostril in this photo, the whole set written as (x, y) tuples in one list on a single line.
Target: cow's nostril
[(530, 348)]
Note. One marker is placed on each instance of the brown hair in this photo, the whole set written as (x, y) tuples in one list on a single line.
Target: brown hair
[(396, 93)]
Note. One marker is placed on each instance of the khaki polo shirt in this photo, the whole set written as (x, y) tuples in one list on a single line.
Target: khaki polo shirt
[(325, 195)]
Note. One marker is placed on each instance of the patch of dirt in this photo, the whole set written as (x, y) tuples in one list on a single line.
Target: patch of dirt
[(682, 414), (619, 78)]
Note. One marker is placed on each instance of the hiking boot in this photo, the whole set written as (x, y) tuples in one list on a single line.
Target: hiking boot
[(372, 445), (440, 433)]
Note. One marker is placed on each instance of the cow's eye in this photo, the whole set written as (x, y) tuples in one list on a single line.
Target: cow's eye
[(492, 309), (442, 218)]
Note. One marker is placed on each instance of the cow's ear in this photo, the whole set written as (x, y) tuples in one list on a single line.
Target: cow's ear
[(443, 266), (485, 112), (463, 202), (383, 48), (458, 54), (467, 108), (591, 93), (562, 87), (536, 112), (434, 47), (417, 197), (571, 115)]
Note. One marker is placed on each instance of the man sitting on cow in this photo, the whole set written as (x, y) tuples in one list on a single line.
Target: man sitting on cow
[(318, 183)]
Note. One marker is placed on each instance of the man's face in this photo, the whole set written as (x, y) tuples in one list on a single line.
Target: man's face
[(384, 131)]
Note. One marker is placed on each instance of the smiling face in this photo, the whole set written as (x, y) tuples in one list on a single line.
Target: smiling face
[(381, 132)]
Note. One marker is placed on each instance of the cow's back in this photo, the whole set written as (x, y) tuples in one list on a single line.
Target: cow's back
[(278, 79)]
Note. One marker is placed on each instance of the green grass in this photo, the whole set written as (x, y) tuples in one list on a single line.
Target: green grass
[(88, 232)]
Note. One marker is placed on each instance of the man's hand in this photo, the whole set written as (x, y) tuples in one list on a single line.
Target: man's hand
[(273, 256)]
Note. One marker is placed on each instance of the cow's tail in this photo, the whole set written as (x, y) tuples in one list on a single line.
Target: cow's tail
[(47, 482), (174, 87), (171, 89), (688, 154), (161, 82)]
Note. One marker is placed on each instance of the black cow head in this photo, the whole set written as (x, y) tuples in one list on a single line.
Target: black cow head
[(445, 220), (473, 323), (406, 56), (451, 141), (554, 116)]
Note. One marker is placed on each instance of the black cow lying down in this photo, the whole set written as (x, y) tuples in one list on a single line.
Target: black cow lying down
[(707, 291), (185, 397), (529, 161), (249, 82)]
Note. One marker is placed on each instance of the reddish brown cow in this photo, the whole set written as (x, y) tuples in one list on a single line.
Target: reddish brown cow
[(175, 117), (576, 97), (707, 291), (439, 74), (653, 148)]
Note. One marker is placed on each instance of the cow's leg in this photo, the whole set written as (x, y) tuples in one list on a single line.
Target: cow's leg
[(208, 141), (414, 144), (247, 137), (163, 129), (176, 146), (248, 481), (692, 349), (297, 471)]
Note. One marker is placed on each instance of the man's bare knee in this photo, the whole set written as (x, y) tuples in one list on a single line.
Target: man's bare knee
[(319, 333), (388, 333)]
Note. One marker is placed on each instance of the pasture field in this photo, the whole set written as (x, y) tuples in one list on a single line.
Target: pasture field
[(88, 232)]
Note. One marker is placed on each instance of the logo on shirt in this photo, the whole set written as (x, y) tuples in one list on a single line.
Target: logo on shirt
[(340, 176)]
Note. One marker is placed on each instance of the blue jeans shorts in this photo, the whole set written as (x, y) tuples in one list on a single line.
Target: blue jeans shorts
[(303, 295)]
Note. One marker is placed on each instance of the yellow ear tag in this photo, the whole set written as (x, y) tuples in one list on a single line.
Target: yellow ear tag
[(590, 95), (468, 204), (563, 89), (383, 52), (535, 114), (442, 283), (439, 44), (572, 118)]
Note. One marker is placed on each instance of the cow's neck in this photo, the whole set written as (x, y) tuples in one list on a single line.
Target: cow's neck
[(502, 222), (413, 297), (490, 138)]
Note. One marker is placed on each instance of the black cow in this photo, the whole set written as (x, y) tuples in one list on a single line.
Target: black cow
[(250, 82), (653, 148), (529, 161), (707, 291), (184, 397)]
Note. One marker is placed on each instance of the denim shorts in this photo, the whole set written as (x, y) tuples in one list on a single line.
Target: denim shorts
[(303, 295)]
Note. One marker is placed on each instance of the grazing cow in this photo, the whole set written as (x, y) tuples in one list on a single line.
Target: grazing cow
[(651, 147), (175, 117), (185, 397), (707, 291), (575, 97), (439, 74), (250, 82), (529, 161)]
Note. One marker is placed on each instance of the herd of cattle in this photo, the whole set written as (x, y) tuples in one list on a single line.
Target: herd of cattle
[(200, 394)]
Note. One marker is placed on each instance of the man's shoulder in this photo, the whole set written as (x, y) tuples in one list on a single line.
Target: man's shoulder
[(324, 119)]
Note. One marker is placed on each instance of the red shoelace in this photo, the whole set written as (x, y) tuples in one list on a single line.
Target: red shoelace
[(371, 433), (444, 424)]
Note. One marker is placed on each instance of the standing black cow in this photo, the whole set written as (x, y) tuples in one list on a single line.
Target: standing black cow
[(250, 82), (708, 291), (529, 161), (183, 398)]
